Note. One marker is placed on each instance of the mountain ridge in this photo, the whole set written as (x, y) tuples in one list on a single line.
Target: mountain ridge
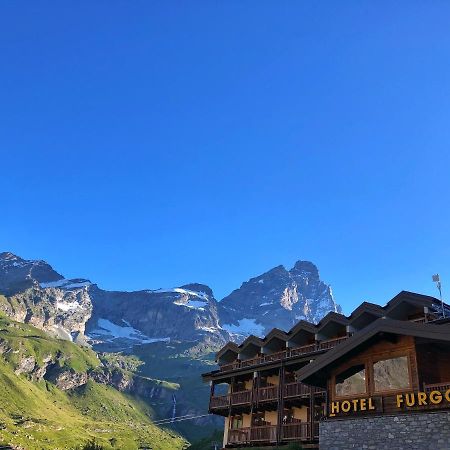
[(78, 309)]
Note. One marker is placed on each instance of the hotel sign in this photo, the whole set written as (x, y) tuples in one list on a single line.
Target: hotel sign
[(398, 402)]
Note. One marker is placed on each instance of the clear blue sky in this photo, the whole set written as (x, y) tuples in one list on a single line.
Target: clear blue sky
[(150, 144)]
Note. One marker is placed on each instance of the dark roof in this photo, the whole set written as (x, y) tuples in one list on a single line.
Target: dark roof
[(313, 372), (365, 307)]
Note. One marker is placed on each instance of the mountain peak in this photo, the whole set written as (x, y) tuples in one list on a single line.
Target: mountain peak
[(277, 298), (8, 256), (199, 287), (305, 267)]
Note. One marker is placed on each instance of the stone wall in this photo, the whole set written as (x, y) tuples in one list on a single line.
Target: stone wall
[(418, 431)]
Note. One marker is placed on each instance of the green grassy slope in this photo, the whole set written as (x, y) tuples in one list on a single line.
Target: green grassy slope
[(37, 415), (174, 363)]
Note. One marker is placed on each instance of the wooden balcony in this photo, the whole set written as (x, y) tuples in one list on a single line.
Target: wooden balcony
[(269, 393), (283, 355), (296, 390), (303, 350), (441, 387), (298, 431), (221, 401), (278, 356), (265, 433), (239, 436), (330, 343), (241, 398)]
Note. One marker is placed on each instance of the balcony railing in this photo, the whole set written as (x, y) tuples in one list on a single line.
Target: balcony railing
[(265, 394), (441, 387), (241, 398), (330, 343), (304, 349), (265, 433), (297, 431), (285, 354), (239, 436), (268, 393), (221, 401), (296, 390)]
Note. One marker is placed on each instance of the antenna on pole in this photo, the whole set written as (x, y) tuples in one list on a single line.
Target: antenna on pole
[(436, 278)]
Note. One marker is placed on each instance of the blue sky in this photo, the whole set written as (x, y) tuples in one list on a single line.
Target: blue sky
[(151, 144)]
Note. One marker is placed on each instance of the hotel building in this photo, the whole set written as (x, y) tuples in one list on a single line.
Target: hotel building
[(310, 383)]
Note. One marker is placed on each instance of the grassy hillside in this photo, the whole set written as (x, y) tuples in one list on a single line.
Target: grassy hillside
[(174, 362), (37, 415)]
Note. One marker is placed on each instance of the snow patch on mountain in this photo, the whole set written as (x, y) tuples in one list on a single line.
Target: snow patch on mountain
[(245, 327), (66, 284), (111, 331), (201, 295), (67, 306)]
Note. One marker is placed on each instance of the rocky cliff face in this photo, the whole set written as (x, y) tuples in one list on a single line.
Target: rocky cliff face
[(187, 313), (79, 310), (278, 298)]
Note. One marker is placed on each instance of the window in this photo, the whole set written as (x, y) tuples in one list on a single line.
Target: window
[(391, 374), (236, 422), (258, 420), (351, 381)]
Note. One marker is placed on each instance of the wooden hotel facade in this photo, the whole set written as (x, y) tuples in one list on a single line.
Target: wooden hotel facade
[(379, 360)]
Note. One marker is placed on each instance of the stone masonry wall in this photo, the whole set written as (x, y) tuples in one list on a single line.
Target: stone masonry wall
[(420, 431)]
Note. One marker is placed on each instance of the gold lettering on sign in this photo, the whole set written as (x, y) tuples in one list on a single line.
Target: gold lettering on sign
[(447, 395), (409, 399), (435, 397), (345, 406), (334, 408), (421, 398)]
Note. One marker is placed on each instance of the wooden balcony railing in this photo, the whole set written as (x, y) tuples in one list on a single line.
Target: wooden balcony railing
[(441, 387), (265, 433), (239, 436), (296, 390), (241, 398), (251, 362), (297, 431), (284, 354), (276, 356), (304, 349), (330, 343), (221, 401), (268, 393)]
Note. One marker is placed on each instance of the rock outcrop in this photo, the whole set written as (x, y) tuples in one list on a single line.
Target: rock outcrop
[(278, 298)]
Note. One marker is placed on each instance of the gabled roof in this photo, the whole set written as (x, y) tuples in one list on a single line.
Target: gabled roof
[(252, 340), (229, 347), (315, 369), (276, 333), (332, 317), (303, 325), (366, 307)]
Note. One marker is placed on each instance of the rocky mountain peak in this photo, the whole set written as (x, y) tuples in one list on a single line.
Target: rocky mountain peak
[(305, 268), (200, 288), (277, 298), (18, 274)]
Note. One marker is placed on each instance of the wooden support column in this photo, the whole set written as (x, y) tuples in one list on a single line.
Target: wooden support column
[(280, 403), (254, 395), (211, 395), (311, 412)]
